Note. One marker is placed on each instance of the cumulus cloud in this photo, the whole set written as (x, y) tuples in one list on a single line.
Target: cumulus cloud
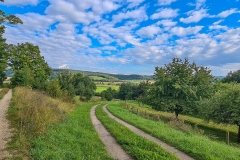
[(165, 2), (137, 14), (165, 13), (64, 66), (181, 31), (149, 31), (64, 11), (195, 16), (21, 2), (227, 13)]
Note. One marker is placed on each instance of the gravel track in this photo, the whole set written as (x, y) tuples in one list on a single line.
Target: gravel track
[(5, 132), (113, 148), (179, 154)]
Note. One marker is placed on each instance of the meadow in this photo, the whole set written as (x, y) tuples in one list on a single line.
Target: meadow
[(212, 130), (197, 146), (101, 88)]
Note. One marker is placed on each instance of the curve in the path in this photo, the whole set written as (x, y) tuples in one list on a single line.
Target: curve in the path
[(5, 133), (179, 154), (113, 148)]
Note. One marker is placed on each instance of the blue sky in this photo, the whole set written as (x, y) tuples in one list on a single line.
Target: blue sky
[(129, 36)]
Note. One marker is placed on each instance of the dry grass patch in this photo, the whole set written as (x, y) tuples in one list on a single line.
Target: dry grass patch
[(3, 92), (30, 113)]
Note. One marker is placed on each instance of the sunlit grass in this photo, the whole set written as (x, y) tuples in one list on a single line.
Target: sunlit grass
[(198, 147), (75, 138), (101, 88), (3, 92), (137, 146)]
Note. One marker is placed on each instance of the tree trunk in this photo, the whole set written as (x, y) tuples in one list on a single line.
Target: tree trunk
[(176, 115), (239, 134)]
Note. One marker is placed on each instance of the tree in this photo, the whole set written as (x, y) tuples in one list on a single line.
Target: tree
[(9, 19), (126, 91), (232, 77), (109, 94), (27, 56), (224, 106), (53, 88), (178, 85)]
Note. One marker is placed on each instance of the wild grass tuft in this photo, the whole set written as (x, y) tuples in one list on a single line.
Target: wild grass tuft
[(75, 138), (3, 92), (30, 113)]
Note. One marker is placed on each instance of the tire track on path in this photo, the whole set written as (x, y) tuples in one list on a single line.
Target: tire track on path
[(181, 155), (5, 133), (113, 148)]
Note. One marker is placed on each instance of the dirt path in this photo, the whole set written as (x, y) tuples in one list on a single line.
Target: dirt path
[(113, 148), (4, 126), (171, 149)]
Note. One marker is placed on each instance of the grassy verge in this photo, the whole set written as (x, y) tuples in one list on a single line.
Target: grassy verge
[(198, 147), (212, 130), (76, 138), (30, 113), (137, 146), (3, 92)]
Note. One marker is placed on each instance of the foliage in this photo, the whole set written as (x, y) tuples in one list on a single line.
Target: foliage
[(137, 146), (232, 77), (26, 57), (9, 19), (30, 113), (53, 88), (126, 91), (178, 85), (224, 106), (109, 94), (75, 138), (77, 84), (195, 146)]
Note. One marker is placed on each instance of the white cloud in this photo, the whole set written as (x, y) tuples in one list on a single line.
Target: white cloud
[(227, 13), (218, 27), (137, 14), (200, 3), (181, 31), (64, 11), (134, 3), (165, 2), (149, 31), (165, 13), (64, 66), (21, 2), (194, 16)]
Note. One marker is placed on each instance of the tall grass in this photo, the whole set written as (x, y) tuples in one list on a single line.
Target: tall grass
[(137, 146), (198, 147), (199, 126), (74, 139), (3, 92), (30, 113)]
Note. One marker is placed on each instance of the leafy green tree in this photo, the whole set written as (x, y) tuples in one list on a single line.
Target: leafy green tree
[(23, 77), (232, 77), (53, 88), (224, 106), (27, 56), (178, 85), (9, 19), (126, 91), (109, 94)]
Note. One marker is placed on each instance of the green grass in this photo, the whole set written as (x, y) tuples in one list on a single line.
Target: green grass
[(101, 88), (137, 146), (76, 138), (211, 129), (3, 92), (198, 147)]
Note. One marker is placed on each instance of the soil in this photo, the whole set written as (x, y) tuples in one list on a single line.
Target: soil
[(113, 148), (5, 132), (179, 154)]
